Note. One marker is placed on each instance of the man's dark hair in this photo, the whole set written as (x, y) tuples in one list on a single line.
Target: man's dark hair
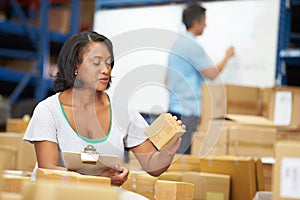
[(191, 12)]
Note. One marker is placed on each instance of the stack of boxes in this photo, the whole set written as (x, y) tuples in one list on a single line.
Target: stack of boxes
[(248, 121), (242, 146)]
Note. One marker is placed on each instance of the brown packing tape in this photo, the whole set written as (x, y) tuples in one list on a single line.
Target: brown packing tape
[(236, 144)]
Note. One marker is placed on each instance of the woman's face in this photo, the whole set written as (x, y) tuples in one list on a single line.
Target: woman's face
[(95, 68)]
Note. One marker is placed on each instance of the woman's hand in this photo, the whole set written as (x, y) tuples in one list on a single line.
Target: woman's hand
[(180, 123), (117, 176), (171, 150)]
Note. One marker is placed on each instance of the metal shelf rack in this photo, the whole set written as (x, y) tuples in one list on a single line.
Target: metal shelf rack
[(36, 47), (285, 54)]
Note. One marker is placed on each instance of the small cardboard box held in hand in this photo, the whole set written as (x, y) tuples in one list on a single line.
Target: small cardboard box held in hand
[(164, 131)]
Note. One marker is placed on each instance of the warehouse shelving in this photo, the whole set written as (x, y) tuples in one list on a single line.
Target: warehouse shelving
[(109, 4), (23, 41), (288, 57)]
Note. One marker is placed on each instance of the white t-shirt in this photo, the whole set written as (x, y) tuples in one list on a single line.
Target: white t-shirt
[(49, 123)]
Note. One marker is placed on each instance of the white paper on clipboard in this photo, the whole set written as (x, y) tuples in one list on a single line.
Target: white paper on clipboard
[(89, 163)]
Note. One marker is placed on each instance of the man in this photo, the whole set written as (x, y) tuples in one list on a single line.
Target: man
[(188, 67)]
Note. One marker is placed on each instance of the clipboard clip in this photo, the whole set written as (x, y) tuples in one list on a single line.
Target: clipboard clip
[(90, 149)]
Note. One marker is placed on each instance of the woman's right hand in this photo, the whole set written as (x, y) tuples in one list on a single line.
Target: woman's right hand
[(117, 176)]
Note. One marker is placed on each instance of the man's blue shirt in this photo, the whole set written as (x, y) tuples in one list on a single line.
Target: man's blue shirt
[(185, 61)]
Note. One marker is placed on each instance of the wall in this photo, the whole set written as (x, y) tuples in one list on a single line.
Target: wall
[(142, 37)]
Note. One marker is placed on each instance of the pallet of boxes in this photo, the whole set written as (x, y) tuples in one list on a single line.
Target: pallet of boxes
[(20, 160), (242, 124)]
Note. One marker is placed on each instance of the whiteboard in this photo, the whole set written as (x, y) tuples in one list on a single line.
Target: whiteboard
[(142, 38)]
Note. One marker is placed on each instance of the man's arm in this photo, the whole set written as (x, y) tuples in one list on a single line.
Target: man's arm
[(213, 71)]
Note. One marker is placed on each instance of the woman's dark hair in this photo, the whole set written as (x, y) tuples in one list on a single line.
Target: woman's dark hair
[(71, 55), (191, 12)]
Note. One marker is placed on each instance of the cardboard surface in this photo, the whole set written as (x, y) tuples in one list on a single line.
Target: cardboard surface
[(185, 162), (70, 177), (22, 153), (173, 190), (242, 170), (66, 190), (215, 145), (221, 99), (16, 125), (142, 183), (286, 179), (208, 185), (251, 140), (164, 131)]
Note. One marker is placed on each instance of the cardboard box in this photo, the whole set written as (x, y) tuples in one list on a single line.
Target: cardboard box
[(171, 176), (245, 135), (11, 152), (277, 104), (245, 176), (14, 182), (54, 190), (141, 183), (185, 162), (70, 177), (286, 171), (208, 185), (164, 131), (221, 99), (60, 19), (173, 190), (210, 140), (244, 100), (22, 153), (10, 196), (214, 102), (288, 134), (268, 163), (16, 125), (252, 140), (3, 160)]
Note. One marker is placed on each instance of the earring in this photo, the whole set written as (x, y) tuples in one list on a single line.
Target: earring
[(76, 72)]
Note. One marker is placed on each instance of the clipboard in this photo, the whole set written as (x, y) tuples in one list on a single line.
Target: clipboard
[(89, 162)]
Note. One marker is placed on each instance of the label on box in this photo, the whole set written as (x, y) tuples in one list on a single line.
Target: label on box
[(215, 195), (290, 178), (283, 108)]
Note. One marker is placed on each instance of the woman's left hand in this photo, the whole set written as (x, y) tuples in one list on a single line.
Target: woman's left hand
[(117, 176)]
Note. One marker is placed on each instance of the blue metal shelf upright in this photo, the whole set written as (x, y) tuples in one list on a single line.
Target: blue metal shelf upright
[(286, 55), (37, 48)]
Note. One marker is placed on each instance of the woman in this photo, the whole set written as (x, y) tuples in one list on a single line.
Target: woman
[(81, 113)]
